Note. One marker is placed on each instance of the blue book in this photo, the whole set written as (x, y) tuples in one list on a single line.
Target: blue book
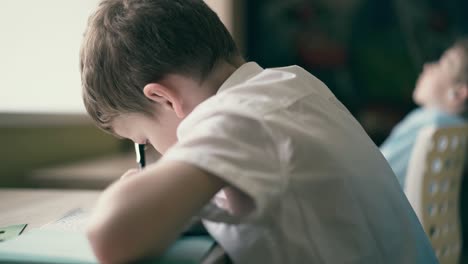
[(46, 246)]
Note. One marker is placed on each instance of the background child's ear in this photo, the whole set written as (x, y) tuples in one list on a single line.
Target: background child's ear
[(462, 92), (164, 96)]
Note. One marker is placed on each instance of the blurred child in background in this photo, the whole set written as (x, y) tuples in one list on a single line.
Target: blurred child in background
[(441, 92)]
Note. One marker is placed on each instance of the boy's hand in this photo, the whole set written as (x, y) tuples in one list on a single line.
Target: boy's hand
[(129, 173)]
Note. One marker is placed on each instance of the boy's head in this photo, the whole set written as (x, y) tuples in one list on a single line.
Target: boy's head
[(444, 84), (132, 43)]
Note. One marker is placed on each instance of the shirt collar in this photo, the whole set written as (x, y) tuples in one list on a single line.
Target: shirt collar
[(242, 74)]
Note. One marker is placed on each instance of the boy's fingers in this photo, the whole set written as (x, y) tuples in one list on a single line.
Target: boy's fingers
[(129, 173)]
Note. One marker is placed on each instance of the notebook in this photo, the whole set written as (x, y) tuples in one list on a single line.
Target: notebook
[(73, 220)]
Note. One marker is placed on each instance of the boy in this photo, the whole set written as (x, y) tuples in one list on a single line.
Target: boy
[(441, 92), (277, 168)]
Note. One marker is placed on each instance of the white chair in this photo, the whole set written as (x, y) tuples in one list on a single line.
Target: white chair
[(432, 186)]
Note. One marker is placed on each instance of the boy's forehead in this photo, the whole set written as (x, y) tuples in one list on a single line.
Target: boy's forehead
[(120, 125), (124, 125), (116, 128)]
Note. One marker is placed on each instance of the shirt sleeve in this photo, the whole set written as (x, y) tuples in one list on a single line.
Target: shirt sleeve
[(239, 150)]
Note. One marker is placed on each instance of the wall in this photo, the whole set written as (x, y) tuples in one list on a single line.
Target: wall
[(33, 141), (231, 13)]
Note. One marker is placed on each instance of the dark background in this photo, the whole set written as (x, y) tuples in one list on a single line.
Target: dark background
[(369, 53)]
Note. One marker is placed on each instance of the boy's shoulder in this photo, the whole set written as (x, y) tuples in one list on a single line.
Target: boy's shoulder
[(253, 92)]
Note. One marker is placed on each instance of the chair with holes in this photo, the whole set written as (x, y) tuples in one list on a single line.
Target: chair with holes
[(433, 185)]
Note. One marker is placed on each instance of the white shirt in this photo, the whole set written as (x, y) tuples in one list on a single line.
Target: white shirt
[(308, 184)]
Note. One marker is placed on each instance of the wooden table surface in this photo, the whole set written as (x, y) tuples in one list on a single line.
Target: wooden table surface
[(93, 174), (37, 207)]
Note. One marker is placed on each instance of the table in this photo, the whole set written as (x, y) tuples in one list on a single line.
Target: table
[(93, 174), (37, 207)]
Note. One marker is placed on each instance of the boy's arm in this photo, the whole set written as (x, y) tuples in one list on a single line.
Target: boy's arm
[(143, 214)]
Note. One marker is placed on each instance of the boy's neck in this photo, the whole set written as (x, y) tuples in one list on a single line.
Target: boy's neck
[(221, 72), (195, 93)]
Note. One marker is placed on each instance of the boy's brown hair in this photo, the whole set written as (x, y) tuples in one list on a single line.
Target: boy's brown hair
[(130, 43)]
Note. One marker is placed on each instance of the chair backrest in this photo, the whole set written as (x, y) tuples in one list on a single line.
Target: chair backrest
[(432, 186)]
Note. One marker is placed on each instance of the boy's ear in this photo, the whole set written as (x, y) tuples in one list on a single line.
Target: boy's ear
[(165, 97)]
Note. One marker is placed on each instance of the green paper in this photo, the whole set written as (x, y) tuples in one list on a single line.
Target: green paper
[(66, 247), (11, 231), (47, 246)]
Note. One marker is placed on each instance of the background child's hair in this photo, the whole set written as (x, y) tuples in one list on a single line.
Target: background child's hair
[(130, 43)]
